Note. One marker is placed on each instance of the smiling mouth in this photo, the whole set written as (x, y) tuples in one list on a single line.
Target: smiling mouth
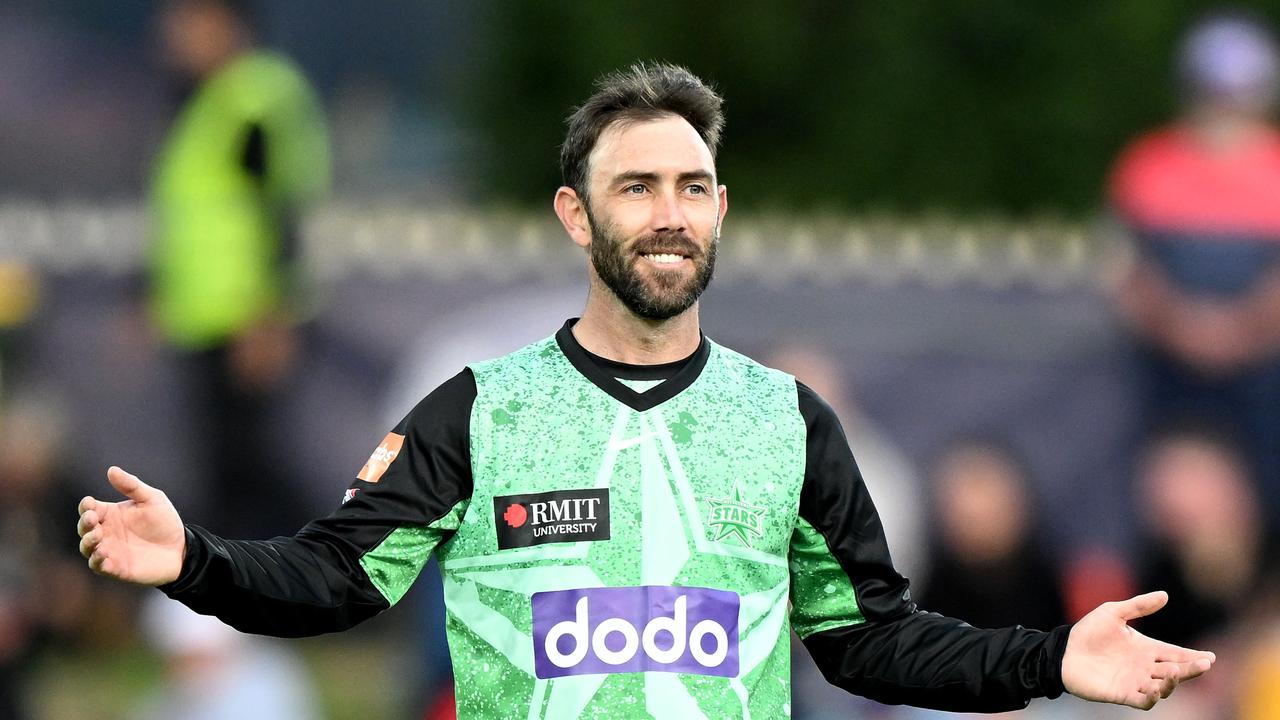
[(664, 258)]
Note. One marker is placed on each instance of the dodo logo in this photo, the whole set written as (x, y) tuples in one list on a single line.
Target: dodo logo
[(635, 629)]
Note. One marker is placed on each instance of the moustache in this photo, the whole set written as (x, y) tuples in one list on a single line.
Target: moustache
[(667, 241)]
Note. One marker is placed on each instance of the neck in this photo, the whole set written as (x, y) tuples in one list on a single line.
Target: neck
[(610, 330), (229, 50)]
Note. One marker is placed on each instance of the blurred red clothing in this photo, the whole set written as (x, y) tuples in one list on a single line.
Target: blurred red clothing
[(1171, 179)]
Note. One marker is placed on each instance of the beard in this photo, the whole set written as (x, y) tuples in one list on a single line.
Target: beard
[(663, 294)]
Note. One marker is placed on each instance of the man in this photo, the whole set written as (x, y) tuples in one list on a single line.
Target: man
[(1198, 197), (624, 512), (247, 151)]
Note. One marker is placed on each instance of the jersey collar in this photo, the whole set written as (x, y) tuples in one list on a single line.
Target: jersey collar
[(604, 373)]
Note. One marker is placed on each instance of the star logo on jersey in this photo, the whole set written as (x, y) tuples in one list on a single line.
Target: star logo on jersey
[(734, 518)]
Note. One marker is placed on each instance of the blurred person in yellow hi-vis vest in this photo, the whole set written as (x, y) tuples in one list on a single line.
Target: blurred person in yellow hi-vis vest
[(247, 152)]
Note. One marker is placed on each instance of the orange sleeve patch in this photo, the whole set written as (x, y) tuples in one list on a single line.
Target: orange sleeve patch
[(381, 458)]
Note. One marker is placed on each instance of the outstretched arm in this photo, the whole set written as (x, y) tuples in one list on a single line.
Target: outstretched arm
[(928, 660), (303, 585), (856, 617), (333, 573)]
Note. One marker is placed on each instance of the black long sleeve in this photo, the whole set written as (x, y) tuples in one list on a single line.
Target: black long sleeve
[(305, 585), (315, 582), (887, 649)]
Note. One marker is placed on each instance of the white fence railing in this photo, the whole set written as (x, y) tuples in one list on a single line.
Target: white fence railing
[(404, 241)]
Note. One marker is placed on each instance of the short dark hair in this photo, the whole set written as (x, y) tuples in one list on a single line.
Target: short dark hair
[(644, 91), (244, 12), (1219, 433), (988, 442)]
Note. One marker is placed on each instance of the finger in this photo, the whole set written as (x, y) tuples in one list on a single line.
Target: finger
[(1166, 680), (86, 503), (89, 543), (1144, 697), (128, 484), (88, 521), (1151, 695), (1165, 652), (1189, 670), (97, 562), (1142, 605)]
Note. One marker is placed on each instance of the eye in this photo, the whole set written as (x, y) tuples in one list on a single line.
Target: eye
[(697, 189), (636, 189)]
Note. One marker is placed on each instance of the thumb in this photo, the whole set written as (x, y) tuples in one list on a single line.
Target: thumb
[(128, 484), (1142, 605)]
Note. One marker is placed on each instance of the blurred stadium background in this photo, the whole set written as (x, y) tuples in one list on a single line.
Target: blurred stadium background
[(920, 230)]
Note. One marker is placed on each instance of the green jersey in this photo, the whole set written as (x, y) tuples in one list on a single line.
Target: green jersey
[(622, 542), (684, 505)]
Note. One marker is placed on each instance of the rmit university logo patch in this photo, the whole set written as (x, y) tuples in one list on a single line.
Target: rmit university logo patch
[(653, 628), (735, 519), (550, 517)]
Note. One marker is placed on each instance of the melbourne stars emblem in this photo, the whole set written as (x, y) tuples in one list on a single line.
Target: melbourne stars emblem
[(734, 518)]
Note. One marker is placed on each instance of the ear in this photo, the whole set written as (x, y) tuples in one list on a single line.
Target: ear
[(573, 216), (722, 197)]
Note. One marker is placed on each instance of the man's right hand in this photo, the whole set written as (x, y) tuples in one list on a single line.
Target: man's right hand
[(139, 540)]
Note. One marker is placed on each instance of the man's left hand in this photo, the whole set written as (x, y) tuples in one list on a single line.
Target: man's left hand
[(1108, 661)]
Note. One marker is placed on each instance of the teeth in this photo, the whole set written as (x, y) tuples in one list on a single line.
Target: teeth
[(664, 258)]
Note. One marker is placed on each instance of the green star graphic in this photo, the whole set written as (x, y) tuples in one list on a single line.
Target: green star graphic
[(736, 518)]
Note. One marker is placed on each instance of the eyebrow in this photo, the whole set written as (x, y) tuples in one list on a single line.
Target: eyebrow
[(650, 177)]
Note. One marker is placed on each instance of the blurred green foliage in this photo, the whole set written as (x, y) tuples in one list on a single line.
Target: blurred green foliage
[(1014, 106)]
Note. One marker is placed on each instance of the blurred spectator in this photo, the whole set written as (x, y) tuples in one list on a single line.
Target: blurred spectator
[(1208, 547), (988, 566), (43, 587), (245, 154), (1200, 199), (216, 673)]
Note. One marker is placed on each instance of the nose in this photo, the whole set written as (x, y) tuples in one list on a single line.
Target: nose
[(668, 213)]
